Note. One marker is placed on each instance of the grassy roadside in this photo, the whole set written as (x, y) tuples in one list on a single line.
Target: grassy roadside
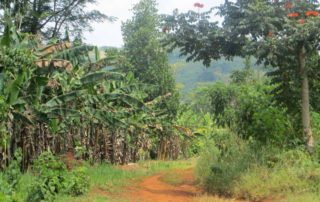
[(107, 178)]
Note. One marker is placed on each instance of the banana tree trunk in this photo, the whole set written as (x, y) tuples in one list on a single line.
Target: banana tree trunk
[(305, 108)]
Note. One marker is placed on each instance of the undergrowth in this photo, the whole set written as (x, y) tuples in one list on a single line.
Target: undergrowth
[(294, 172), (53, 178), (247, 170), (10, 178), (49, 179)]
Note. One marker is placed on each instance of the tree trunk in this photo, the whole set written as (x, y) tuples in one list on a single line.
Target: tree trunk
[(305, 109), (35, 20)]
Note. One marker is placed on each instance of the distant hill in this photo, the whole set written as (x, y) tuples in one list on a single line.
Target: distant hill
[(190, 74), (103, 48)]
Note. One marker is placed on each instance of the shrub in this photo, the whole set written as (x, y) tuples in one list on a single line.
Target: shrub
[(316, 131), (254, 171), (271, 124), (53, 178), (76, 183), (5, 189), (222, 163), (10, 178), (293, 172), (248, 110), (202, 126)]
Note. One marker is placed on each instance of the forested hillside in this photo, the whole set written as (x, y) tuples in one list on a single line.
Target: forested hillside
[(189, 75)]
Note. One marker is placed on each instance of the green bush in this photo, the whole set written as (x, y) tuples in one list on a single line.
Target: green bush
[(294, 173), (254, 171), (202, 126), (50, 175), (53, 178), (316, 132), (9, 179), (271, 124), (76, 183), (5, 189), (248, 110), (223, 162)]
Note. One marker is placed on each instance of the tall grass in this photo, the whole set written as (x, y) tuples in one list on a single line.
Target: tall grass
[(222, 163), (247, 170), (294, 173)]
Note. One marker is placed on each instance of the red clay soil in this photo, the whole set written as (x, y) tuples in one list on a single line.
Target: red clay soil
[(153, 189), (70, 160)]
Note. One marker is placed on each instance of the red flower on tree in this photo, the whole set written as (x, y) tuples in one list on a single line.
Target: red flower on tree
[(312, 13), (270, 34), (293, 15), (198, 5)]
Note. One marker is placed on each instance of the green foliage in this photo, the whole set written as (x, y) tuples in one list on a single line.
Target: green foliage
[(61, 88), (144, 56), (284, 38), (77, 182), (254, 171), (222, 162), (316, 129), (271, 124), (9, 179), (201, 127), (204, 40), (16, 67), (243, 76), (257, 115), (215, 99), (44, 14), (248, 109), (316, 123), (53, 179), (146, 59), (294, 172)]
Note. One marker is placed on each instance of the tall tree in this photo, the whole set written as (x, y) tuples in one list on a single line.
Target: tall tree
[(147, 58), (52, 17), (279, 33)]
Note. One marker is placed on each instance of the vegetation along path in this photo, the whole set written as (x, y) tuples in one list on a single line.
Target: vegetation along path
[(176, 185)]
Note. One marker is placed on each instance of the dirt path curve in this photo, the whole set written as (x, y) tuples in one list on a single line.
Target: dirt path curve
[(154, 189)]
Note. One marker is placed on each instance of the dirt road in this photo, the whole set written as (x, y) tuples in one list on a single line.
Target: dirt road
[(177, 186)]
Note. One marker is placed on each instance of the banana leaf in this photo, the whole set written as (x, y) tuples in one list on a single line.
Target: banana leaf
[(101, 75), (64, 99)]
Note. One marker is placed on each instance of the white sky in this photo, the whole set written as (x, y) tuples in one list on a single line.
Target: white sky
[(109, 34)]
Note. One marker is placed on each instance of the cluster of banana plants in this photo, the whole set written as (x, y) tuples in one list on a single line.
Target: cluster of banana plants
[(60, 97)]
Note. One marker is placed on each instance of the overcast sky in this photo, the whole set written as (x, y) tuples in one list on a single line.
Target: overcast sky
[(109, 34)]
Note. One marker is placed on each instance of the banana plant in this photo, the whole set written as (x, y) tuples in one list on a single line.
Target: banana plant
[(60, 96)]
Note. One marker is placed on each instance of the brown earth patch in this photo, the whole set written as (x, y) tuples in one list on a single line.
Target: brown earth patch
[(70, 160), (153, 189)]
